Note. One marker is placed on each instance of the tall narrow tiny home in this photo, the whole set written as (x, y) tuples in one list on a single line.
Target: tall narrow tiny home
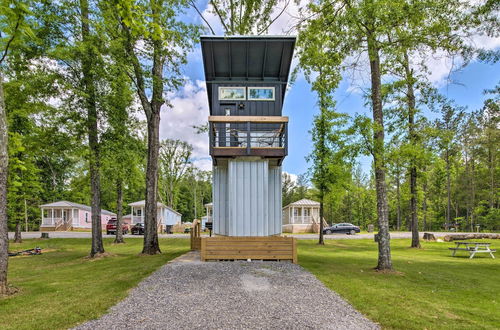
[(246, 79)]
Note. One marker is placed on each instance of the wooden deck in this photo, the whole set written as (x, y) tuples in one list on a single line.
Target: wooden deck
[(195, 234), (243, 248)]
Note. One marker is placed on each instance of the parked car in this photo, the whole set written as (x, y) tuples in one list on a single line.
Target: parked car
[(347, 228), (111, 227), (137, 229)]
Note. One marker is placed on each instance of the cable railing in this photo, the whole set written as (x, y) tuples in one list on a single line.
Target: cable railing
[(248, 135)]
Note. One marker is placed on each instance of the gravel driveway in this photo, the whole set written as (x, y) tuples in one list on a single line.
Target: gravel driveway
[(189, 294)]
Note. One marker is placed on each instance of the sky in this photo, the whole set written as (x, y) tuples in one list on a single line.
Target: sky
[(190, 103)]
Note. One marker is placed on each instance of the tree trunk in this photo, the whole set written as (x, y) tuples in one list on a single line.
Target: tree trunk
[(415, 241), (491, 169), (17, 233), (92, 127), (473, 197), (448, 187), (4, 166), (384, 244), (119, 211), (321, 237), (25, 216), (151, 244), (424, 204), (398, 199)]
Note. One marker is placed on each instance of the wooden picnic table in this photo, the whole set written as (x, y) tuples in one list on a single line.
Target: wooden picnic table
[(473, 248)]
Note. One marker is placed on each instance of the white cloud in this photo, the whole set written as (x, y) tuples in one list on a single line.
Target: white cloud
[(293, 177), (189, 108)]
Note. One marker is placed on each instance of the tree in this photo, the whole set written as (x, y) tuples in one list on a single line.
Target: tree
[(448, 126), (14, 30), (175, 157), (244, 17), (156, 67), (344, 28), (121, 147), (88, 54)]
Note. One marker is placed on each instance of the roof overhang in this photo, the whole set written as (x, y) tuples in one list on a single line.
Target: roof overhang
[(256, 59)]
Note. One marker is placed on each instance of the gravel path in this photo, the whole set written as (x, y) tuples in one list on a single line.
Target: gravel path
[(189, 294)]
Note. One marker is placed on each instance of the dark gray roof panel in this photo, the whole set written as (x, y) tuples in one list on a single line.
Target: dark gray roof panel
[(247, 58)]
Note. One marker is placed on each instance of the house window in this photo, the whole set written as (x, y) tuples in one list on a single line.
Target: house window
[(232, 93), (86, 217), (139, 212), (261, 93)]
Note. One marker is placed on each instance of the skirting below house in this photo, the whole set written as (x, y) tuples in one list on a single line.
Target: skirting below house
[(301, 228)]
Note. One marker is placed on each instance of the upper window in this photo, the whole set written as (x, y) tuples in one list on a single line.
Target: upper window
[(232, 93), (261, 93)]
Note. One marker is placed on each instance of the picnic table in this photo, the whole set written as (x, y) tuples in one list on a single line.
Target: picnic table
[(473, 248)]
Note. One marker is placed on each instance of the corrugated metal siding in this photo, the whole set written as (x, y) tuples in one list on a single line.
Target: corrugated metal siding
[(275, 213), (220, 203), (248, 198)]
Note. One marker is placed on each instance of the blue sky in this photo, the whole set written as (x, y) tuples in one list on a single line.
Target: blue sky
[(190, 105)]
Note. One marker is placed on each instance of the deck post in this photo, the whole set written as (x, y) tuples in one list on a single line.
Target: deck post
[(248, 138), (203, 248), (294, 250)]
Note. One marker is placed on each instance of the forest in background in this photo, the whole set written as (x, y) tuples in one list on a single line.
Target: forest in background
[(49, 153)]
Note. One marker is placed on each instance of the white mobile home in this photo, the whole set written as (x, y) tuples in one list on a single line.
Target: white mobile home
[(167, 216)]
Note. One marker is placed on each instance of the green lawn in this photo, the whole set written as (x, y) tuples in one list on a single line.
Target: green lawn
[(432, 291), (60, 288)]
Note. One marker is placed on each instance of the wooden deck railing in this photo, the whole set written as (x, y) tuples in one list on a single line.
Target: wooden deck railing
[(196, 235), (243, 248)]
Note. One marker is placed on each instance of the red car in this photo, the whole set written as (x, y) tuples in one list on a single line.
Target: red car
[(111, 227)]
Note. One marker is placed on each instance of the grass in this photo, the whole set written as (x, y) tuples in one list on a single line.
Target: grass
[(431, 289), (61, 288)]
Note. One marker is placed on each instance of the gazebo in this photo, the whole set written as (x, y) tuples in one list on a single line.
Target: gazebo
[(301, 216)]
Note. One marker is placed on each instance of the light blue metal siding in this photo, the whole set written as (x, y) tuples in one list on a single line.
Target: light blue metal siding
[(275, 214), (247, 198), (220, 200)]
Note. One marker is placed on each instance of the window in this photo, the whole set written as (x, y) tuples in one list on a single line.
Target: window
[(139, 212), (261, 93), (232, 93), (86, 217)]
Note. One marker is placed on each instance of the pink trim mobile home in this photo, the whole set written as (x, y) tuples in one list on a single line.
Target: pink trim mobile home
[(64, 215)]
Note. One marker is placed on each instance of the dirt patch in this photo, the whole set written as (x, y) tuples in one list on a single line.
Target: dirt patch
[(11, 291), (388, 272), (99, 256)]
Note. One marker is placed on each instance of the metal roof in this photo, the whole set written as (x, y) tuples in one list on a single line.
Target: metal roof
[(143, 203), (303, 202), (75, 205), (247, 59)]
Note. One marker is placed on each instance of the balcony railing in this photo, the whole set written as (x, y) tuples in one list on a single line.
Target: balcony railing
[(248, 136)]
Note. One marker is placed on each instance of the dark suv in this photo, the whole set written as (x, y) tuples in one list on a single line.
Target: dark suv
[(137, 229), (342, 228)]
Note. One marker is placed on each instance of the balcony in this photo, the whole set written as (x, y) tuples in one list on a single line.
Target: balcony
[(232, 136)]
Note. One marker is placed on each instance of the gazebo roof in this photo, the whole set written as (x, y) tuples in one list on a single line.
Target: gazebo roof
[(303, 202)]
